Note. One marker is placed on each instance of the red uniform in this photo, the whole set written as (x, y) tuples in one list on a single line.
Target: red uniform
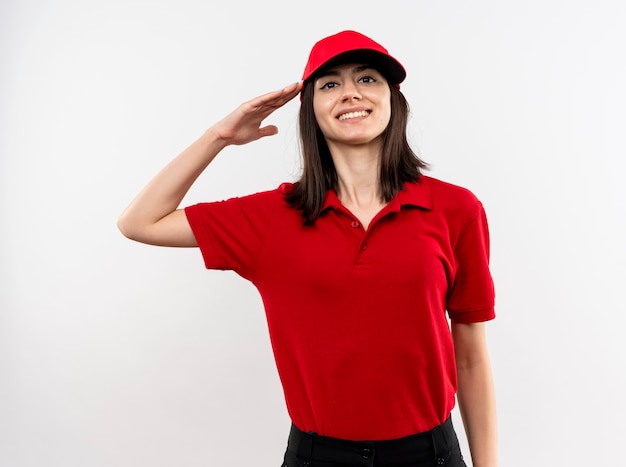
[(357, 319)]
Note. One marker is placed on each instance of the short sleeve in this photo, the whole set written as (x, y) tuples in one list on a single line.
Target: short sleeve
[(230, 233), (472, 295)]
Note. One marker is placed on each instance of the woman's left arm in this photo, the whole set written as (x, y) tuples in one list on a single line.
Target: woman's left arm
[(476, 393)]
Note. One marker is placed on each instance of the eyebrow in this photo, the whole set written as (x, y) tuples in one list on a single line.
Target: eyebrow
[(333, 72)]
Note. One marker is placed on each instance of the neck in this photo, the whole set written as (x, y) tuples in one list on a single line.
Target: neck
[(358, 176)]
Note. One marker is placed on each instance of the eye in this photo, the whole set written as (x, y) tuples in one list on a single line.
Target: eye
[(367, 79), (328, 85)]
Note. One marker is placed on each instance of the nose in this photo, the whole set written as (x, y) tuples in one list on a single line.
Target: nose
[(350, 91)]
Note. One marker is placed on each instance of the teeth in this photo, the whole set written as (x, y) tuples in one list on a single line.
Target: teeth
[(362, 113)]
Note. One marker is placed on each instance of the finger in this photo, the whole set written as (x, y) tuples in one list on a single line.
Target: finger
[(268, 130), (277, 98), (292, 90), (293, 87)]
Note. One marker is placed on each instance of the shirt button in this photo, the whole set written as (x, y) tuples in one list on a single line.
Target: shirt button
[(355, 224), (364, 246), (366, 453)]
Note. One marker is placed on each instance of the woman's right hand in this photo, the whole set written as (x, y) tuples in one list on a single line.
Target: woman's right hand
[(243, 125)]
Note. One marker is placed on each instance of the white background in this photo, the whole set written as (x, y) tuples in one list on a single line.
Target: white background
[(117, 354)]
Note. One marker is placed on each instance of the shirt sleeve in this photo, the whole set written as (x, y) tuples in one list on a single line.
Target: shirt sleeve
[(472, 296), (230, 233)]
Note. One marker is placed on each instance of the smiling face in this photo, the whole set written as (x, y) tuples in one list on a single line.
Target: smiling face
[(352, 104)]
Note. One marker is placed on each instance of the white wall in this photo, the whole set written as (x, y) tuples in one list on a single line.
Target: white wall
[(118, 354)]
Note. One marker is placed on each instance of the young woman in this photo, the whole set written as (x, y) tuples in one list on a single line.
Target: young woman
[(375, 278)]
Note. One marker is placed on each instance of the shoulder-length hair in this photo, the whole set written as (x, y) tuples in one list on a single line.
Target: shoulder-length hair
[(399, 164)]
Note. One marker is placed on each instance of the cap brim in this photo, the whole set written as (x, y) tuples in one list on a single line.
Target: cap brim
[(393, 71)]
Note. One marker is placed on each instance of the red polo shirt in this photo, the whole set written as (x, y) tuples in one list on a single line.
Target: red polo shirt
[(357, 319)]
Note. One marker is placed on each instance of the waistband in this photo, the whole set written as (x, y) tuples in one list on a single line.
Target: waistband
[(437, 442)]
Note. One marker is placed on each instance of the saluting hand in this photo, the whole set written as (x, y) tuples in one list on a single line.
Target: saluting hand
[(243, 125)]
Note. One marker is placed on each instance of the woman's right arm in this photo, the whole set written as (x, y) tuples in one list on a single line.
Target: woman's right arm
[(154, 216)]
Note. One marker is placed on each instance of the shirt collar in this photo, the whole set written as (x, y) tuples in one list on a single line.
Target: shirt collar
[(413, 194)]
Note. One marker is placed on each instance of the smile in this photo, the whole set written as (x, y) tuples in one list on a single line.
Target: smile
[(346, 116)]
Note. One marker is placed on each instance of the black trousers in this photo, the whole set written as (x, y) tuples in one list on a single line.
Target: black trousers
[(434, 448)]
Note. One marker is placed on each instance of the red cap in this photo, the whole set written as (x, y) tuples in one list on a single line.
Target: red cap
[(351, 46)]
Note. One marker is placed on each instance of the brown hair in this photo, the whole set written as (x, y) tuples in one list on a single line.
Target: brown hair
[(399, 164)]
